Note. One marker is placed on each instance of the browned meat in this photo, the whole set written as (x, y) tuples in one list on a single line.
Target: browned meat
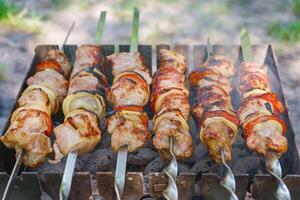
[(80, 132), (128, 126), (129, 88), (263, 130), (213, 110), (170, 103), (29, 130)]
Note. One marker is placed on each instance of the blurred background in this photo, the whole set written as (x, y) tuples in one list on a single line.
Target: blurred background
[(27, 23)]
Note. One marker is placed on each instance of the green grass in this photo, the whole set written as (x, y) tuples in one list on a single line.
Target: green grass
[(289, 32), (21, 20), (5, 10), (295, 4)]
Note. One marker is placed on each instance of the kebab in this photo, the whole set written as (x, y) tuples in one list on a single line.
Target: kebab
[(170, 103), (31, 123), (217, 120), (264, 131), (83, 108), (128, 94)]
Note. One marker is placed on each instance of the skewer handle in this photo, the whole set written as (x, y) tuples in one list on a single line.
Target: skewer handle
[(228, 182), (274, 169), (13, 175), (171, 192)]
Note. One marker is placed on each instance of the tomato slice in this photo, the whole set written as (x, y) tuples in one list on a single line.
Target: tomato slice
[(49, 64), (130, 108), (197, 75)]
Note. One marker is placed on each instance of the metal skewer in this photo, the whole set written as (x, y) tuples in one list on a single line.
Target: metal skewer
[(171, 191), (171, 170), (66, 183), (21, 154), (271, 159), (228, 181), (120, 174)]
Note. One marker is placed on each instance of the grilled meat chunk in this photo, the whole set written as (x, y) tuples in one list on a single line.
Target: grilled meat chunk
[(53, 80), (172, 124), (129, 88), (29, 130), (80, 132), (122, 62), (128, 126)]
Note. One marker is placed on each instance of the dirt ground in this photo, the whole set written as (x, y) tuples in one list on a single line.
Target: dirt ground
[(189, 22)]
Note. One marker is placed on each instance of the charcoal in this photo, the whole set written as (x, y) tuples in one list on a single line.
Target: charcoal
[(183, 168), (46, 167), (155, 165), (45, 196), (98, 160), (200, 152), (142, 156), (251, 164), (203, 166)]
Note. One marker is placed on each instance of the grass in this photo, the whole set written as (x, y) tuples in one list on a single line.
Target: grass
[(21, 20), (295, 5), (289, 32), (5, 10)]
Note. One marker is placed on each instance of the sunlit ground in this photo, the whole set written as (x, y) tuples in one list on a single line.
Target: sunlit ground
[(188, 22)]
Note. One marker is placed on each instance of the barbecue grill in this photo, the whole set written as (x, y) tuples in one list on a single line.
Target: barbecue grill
[(198, 176)]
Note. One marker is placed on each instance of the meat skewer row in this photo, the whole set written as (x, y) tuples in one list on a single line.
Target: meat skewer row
[(263, 130), (170, 103), (128, 94), (213, 110), (84, 105), (31, 123)]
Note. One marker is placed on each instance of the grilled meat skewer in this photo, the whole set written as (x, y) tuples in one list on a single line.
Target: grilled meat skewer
[(31, 123), (84, 105), (213, 110), (128, 94), (263, 130), (170, 103)]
